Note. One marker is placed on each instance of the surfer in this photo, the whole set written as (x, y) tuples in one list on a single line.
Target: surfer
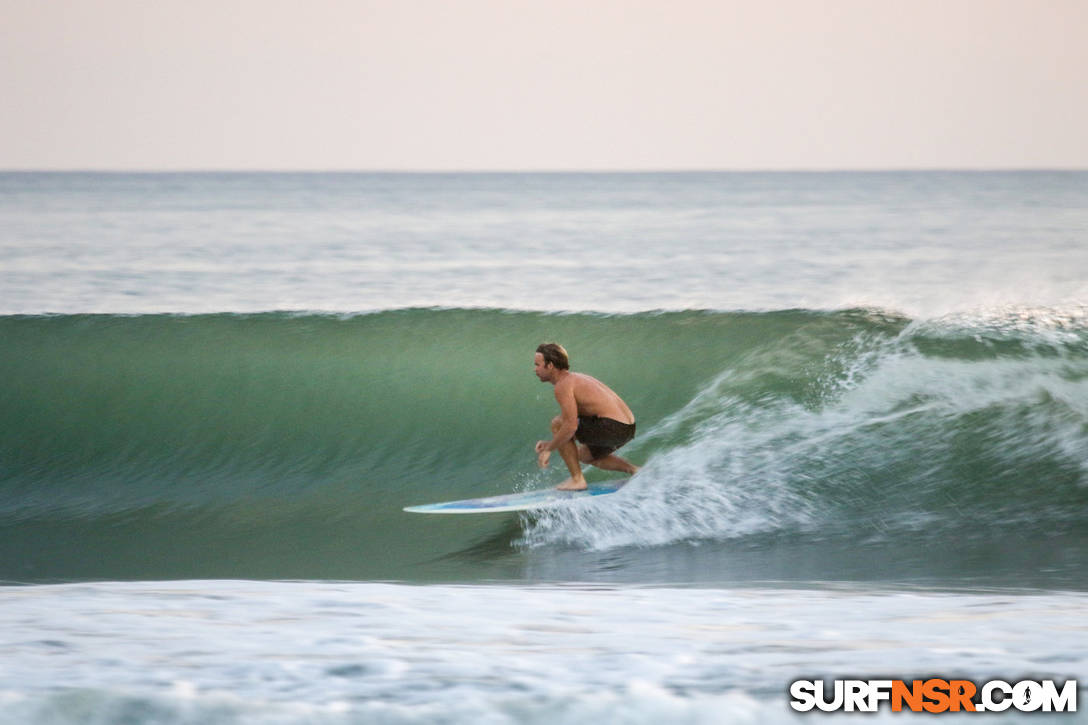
[(589, 412)]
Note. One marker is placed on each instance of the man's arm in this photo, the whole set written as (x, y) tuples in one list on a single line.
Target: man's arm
[(568, 423), (568, 414)]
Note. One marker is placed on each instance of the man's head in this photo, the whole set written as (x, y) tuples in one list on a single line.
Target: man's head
[(550, 357)]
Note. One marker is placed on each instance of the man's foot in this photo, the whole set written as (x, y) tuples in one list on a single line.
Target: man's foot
[(571, 485)]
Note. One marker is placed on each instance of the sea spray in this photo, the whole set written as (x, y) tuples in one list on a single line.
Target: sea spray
[(919, 432)]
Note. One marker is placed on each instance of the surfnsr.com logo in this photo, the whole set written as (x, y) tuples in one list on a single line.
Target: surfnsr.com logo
[(934, 695)]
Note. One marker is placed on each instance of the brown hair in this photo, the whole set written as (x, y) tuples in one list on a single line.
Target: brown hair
[(555, 354)]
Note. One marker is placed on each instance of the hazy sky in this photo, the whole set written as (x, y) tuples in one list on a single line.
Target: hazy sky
[(548, 84)]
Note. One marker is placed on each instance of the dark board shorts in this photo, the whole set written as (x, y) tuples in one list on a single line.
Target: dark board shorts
[(603, 435)]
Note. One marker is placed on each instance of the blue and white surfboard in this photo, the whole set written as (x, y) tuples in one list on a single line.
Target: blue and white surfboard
[(527, 501)]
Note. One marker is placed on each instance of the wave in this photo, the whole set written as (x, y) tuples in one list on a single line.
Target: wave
[(284, 445)]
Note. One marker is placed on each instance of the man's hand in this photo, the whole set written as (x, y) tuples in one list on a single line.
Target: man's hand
[(542, 453)]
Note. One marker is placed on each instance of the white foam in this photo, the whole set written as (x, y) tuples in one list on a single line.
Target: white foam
[(327, 652)]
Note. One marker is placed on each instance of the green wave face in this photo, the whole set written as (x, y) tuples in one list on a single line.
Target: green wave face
[(285, 446)]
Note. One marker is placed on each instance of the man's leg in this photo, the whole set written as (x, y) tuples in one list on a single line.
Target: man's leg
[(611, 462), (568, 451)]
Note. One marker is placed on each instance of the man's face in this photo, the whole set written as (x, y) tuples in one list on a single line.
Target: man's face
[(542, 369)]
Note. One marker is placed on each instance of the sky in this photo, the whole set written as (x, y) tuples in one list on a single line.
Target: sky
[(437, 85)]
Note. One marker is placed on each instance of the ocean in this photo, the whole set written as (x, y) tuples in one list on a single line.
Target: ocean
[(862, 404)]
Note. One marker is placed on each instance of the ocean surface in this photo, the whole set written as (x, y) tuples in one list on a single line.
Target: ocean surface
[(862, 404)]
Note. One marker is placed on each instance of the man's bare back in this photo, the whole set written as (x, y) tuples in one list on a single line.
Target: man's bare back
[(588, 409), (595, 398)]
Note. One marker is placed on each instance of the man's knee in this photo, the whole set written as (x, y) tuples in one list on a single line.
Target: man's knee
[(557, 423)]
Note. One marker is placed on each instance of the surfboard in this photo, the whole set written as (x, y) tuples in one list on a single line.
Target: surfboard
[(526, 501)]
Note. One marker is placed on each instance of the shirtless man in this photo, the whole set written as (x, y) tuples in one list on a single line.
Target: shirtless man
[(590, 412)]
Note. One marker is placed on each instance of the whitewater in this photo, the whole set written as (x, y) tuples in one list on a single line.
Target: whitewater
[(862, 402)]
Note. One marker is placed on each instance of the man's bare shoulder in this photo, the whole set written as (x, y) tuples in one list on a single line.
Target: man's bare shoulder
[(582, 380), (565, 385), (575, 383)]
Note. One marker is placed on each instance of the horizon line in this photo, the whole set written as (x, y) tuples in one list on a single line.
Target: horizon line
[(587, 171)]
